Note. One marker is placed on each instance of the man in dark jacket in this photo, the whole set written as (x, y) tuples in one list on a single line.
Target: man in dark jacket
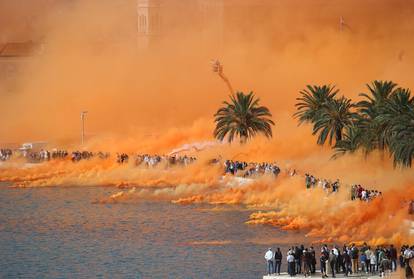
[(393, 257), (347, 263), (323, 259), (278, 261), (354, 257), (313, 259), (332, 262)]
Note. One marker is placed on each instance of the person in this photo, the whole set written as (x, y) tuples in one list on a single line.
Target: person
[(291, 263), (297, 255), (307, 181), (347, 261), (300, 263), (373, 262), (332, 262), (354, 257), (278, 261), (338, 259), (313, 259), (408, 259), (363, 261), (385, 264), (323, 259), (269, 260), (368, 254), (306, 259), (393, 257), (380, 260)]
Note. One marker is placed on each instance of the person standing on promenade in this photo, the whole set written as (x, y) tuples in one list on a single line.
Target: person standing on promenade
[(408, 259), (368, 254), (300, 263), (323, 260), (354, 257), (373, 262), (363, 261), (291, 264), (269, 261), (338, 257), (332, 262), (313, 259), (393, 257), (307, 262), (278, 261), (297, 255), (347, 261)]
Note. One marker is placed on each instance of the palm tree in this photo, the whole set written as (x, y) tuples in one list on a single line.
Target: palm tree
[(380, 91), (333, 118), (397, 118), (242, 117), (379, 94), (402, 139), (398, 104), (350, 142), (312, 100)]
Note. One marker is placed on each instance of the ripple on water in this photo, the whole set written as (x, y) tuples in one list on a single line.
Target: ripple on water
[(60, 233)]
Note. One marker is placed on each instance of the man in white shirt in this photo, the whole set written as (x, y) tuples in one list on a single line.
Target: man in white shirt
[(291, 264), (269, 260), (409, 255), (364, 195), (335, 250)]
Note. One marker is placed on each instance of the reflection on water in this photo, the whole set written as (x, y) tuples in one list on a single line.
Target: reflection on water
[(60, 233)]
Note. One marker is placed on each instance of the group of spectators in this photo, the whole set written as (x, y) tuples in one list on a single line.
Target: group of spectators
[(348, 260), (81, 155), (327, 185), (75, 156), (358, 192), (250, 169), (240, 168), (5, 154), (122, 158), (153, 160), (45, 155)]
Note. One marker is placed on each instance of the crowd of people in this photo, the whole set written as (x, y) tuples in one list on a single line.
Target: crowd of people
[(5, 154), (327, 185), (76, 156), (45, 155), (153, 160), (122, 158), (351, 259), (250, 169), (236, 168), (358, 192)]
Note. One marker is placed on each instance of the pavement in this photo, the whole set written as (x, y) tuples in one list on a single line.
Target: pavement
[(285, 275)]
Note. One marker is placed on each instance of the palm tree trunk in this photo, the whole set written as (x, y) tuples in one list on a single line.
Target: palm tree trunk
[(243, 139), (226, 80), (338, 134)]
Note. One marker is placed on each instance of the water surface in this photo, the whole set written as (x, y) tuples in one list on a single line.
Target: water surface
[(60, 233)]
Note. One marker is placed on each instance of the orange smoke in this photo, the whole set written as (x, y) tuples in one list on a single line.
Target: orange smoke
[(156, 99)]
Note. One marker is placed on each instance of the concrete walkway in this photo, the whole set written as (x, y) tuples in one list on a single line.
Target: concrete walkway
[(285, 275)]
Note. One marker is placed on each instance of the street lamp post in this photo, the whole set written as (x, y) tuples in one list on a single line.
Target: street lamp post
[(83, 115)]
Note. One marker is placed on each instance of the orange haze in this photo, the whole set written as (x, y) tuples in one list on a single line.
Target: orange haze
[(154, 99)]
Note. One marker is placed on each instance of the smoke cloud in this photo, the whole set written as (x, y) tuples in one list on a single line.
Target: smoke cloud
[(158, 98)]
